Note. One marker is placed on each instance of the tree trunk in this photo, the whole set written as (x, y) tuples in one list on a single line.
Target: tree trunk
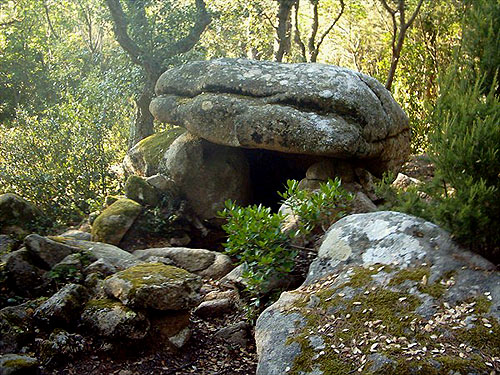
[(143, 124), (284, 28)]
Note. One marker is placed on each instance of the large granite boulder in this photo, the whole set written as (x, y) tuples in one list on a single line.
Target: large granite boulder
[(207, 174), (312, 109), (143, 159), (388, 294)]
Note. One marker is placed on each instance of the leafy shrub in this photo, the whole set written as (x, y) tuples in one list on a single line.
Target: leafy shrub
[(255, 239), (255, 235), (316, 209)]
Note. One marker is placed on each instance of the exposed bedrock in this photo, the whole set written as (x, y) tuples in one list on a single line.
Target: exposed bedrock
[(310, 109)]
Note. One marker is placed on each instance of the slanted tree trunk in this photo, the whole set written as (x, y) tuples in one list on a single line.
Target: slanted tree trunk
[(399, 29), (143, 125)]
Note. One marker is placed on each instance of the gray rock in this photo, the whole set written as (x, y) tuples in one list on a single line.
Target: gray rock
[(403, 181), (139, 190), (63, 307), (102, 267), (170, 328), (72, 262), (235, 334), (205, 263), (310, 109), (362, 204), (61, 346), (77, 235), (373, 272), (112, 319), (22, 275), (114, 256), (216, 308), (15, 210), (155, 286), (47, 250), (206, 174), (16, 327), (161, 182), (14, 364)]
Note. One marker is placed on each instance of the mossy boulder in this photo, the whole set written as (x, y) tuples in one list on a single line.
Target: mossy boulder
[(15, 364), (388, 294), (17, 211), (155, 286), (139, 190), (143, 159), (64, 307), (113, 320), (114, 222)]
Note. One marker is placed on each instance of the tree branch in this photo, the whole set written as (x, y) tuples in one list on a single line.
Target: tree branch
[(415, 13), (188, 42), (298, 38), (342, 7)]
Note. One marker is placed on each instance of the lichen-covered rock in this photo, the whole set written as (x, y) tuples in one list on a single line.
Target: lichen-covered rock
[(155, 286), (313, 109), (16, 327), (388, 294), (112, 224), (207, 174), (114, 256), (202, 262), (143, 159), (15, 364), (23, 276), (48, 251), (139, 190), (63, 307), (61, 346), (113, 320), (15, 210)]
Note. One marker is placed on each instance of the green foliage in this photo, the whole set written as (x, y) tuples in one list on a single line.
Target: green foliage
[(318, 209), (465, 151), (256, 239)]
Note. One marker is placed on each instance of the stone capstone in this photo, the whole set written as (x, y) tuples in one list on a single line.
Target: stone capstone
[(312, 109), (155, 286), (388, 293)]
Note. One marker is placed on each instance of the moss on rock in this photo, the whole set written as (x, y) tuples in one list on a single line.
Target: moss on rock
[(155, 285), (112, 224), (144, 158), (137, 189)]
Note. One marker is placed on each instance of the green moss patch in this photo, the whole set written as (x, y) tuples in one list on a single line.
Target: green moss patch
[(153, 147)]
